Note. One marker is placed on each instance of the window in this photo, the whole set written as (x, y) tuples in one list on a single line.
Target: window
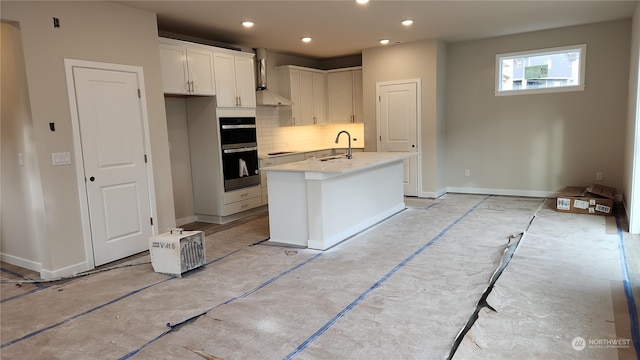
[(539, 71)]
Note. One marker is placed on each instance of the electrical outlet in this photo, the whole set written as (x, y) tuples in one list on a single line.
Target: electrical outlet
[(467, 172), (599, 176), (20, 159)]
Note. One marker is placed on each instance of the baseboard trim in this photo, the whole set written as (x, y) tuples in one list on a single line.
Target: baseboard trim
[(431, 194), (504, 192), (186, 220), (63, 272), (23, 263)]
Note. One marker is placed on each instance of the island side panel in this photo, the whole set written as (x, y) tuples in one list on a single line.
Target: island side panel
[(341, 206), (288, 208)]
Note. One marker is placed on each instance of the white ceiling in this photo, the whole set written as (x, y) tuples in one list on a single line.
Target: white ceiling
[(343, 27)]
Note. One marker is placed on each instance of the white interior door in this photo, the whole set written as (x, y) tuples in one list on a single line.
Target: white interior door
[(113, 153), (397, 124)]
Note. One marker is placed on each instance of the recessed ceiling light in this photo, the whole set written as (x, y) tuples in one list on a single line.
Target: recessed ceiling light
[(407, 22), (362, 1), (384, 41), (306, 39), (247, 23)]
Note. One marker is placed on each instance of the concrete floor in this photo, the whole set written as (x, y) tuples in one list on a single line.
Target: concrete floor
[(403, 289)]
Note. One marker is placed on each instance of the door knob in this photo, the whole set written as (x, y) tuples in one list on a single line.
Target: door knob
[(92, 179)]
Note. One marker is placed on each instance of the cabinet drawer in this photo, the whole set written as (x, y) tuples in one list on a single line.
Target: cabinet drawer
[(242, 194), (267, 162), (240, 206)]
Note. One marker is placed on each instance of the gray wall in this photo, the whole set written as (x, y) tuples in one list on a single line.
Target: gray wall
[(537, 144), (419, 60), (95, 31), (22, 223)]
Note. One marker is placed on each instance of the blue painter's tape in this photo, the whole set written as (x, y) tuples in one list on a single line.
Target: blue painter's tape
[(39, 285), (362, 296), (273, 279), (80, 314), (100, 306), (631, 303), (270, 281)]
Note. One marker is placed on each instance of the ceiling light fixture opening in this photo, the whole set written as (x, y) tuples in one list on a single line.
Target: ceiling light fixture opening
[(247, 24), (384, 41), (407, 22), (361, 2), (306, 39)]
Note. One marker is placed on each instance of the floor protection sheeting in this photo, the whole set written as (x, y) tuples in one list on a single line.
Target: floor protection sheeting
[(557, 297), (403, 289)]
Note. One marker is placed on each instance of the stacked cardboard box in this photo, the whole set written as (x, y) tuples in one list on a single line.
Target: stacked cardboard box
[(597, 200)]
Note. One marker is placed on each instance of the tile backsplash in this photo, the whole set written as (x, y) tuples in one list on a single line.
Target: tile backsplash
[(273, 137)]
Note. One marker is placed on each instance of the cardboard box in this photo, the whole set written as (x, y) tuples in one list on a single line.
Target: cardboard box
[(596, 200)]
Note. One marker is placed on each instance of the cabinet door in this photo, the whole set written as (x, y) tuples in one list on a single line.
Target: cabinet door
[(174, 69), (340, 86), (200, 65), (245, 82), (224, 73), (294, 77), (306, 98), (319, 99), (358, 114)]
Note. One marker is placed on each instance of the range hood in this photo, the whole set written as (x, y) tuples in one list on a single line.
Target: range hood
[(265, 97)]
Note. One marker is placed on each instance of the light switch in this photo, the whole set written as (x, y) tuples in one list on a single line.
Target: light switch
[(61, 158)]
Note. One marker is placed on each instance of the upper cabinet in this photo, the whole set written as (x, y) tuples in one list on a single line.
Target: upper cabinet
[(307, 90), (345, 95), (235, 82), (186, 69)]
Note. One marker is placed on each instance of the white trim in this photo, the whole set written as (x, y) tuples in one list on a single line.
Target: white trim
[(186, 220), (418, 150), (66, 271), (504, 192), (69, 64), (23, 263), (554, 50), (431, 194)]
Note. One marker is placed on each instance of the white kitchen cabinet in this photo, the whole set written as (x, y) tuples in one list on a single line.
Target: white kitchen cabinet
[(186, 69), (307, 90), (345, 96), (263, 179), (284, 159), (235, 82)]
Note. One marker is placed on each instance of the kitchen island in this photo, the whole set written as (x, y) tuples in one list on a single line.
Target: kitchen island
[(318, 203)]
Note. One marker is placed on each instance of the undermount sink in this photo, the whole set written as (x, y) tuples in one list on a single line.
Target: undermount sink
[(336, 157)]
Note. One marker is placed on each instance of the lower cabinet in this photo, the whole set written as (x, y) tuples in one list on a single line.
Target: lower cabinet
[(275, 161), (241, 200), (263, 179)]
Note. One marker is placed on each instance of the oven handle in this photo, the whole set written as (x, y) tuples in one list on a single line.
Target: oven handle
[(227, 127), (239, 150)]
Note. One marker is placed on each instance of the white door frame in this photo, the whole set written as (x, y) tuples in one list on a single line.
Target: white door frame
[(418, 83), (69, 64)]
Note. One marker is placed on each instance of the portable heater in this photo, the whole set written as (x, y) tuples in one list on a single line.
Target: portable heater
[(177, 251)]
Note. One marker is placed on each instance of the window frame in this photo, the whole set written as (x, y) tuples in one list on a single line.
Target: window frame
[(538, 52)]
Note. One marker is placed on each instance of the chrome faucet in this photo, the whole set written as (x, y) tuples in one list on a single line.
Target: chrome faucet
[(349, 135)]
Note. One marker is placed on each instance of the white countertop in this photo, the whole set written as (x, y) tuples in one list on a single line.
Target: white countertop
[(275, 154), (339, 164)]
